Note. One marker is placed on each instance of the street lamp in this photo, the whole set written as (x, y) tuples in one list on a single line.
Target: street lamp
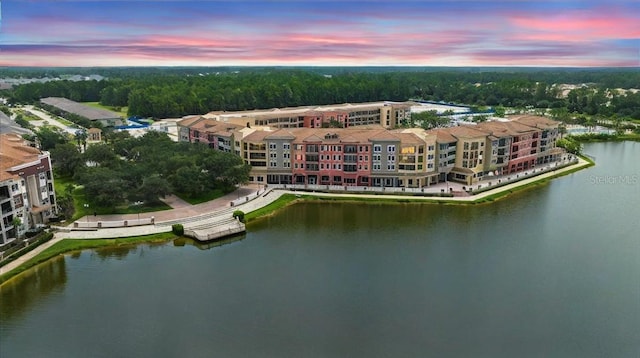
[(137, 205), (86, 206)]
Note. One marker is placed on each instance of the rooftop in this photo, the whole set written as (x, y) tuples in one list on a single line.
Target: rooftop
[(80, 109), (14, 151)]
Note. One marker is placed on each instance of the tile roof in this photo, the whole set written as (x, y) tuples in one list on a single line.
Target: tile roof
[(15, 151), (466, 132), (187, 121), (535, 121)]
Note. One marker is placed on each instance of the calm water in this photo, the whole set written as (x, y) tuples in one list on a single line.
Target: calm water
[(550, 272)]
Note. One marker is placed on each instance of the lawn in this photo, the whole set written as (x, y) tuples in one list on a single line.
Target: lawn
[(83, 206), (214, 194), (120, 110)]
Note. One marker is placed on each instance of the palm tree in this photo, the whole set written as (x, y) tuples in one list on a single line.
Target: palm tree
[(562, 129), (81, 138)]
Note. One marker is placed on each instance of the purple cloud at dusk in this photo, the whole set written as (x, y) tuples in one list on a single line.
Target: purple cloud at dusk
[(324, 33)]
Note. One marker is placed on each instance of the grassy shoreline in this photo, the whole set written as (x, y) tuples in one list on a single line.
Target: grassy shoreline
[(66, 246), (599, 138)]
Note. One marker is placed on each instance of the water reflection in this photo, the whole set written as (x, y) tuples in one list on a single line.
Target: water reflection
[(183, 241), (18, 295)]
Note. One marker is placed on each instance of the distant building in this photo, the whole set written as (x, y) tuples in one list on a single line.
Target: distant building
[(27, 194), (63, 106), (94, 135), (386, 114)]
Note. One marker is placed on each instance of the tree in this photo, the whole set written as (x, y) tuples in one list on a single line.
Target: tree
[(103, 186), (562, 129), (429, 119), (570, 145), (101, 154), (49, 137), (66, 158), (65, 201), (189, 180), (81, 137), (153, 188)]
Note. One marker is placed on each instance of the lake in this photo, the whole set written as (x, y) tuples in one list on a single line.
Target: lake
[(552, 271)]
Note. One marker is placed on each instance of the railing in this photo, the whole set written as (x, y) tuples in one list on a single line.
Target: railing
[(482, 185), (99, 224), (355, 189), (496, 182)]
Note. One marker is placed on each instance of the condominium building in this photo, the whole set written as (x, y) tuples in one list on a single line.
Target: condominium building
[(362, 154), (27, 196), (386, 114)]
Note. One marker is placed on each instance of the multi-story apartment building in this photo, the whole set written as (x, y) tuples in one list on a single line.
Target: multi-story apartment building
[(27, 196), (364, 155), (445, 152), (386, 114), (216, 135), (470, 153), (548, 135)]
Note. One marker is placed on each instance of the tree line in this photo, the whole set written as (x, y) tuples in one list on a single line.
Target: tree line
[(162, 93)]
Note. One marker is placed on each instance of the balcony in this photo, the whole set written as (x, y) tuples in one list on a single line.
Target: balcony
[(258, 156)]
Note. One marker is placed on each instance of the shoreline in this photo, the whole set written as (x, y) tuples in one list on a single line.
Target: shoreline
[(33, 258)]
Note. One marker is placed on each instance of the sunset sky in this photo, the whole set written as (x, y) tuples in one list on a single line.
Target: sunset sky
[(324, 33)]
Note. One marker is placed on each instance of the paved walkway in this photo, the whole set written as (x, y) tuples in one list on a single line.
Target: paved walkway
[(221, 207)]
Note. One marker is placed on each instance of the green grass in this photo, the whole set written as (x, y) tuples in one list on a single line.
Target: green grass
[(80, 199), (280, 203), (70, 245), (28, 115), (587, 138), (120, 110), (539, 182), (214, 194)]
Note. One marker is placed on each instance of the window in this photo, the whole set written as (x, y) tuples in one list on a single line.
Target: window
[(391, 148), (377, 148), (286, 146), (272, 146)]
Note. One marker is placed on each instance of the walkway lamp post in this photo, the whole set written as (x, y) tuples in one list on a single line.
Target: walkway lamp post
[(137, 205), (86, 206)]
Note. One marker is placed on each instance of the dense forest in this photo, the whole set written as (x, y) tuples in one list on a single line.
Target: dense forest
[(174, 92)]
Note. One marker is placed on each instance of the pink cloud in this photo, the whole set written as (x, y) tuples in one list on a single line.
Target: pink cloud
[(576, 26)]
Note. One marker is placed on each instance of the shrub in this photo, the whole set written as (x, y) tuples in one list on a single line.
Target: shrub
[(239, 214), (177, 229)]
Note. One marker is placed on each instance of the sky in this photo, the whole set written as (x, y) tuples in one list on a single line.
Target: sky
[(548, 33)]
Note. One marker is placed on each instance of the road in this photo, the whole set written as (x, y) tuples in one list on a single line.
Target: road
[(51, 120)]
